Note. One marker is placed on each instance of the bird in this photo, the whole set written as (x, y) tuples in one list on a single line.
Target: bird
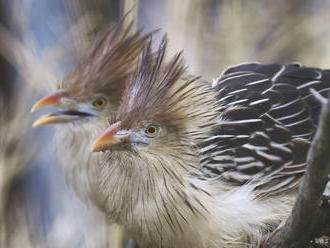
[(95, 86), (189, 164), (89, 94)]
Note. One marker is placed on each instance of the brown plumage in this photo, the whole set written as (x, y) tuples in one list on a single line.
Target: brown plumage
[(106, 68), (150, 178), (189, 166), (145, 93), (177, 168), (95, 86), (87, 96)]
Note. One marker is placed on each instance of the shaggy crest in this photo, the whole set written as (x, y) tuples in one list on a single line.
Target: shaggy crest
[(108, 65), (162, 91)]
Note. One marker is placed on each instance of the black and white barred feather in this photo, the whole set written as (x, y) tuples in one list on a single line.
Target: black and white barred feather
[(267, 122)]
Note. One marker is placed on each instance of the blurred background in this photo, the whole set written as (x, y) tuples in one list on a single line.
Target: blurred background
[(42, 40)]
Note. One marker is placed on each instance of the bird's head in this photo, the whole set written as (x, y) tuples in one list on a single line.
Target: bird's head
[(95, 87), (163, 113)]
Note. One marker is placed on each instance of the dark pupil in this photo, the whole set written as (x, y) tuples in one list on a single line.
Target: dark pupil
[(151, 130), (99, 102)]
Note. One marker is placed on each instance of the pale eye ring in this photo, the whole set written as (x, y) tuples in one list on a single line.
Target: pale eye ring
[(99, 103), (151, 130)]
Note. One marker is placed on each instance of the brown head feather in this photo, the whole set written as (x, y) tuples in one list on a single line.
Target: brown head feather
[(162, 92), (147, 88), (107, 67)]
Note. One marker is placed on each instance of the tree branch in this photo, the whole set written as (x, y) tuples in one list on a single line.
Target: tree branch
[(299, 228)]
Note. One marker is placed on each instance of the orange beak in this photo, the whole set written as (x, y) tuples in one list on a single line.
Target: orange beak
[(56, 100), (47, 119), (108, 138), (52, 100)]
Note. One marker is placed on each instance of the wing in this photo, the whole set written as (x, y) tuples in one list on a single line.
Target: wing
[(268, 119)]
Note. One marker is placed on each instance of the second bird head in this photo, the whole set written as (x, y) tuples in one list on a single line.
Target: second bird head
[(94, 88)]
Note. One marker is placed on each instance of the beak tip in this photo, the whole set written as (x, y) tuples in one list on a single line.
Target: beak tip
[(94, 148), (34, 108), (36, 124), (97, 148)]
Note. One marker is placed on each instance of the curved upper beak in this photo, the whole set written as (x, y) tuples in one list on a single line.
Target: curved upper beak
[(55, 99), (52, 100), (110, 137)]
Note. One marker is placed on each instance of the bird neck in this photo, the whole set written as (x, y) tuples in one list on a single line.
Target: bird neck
[(161, 203), (156, 200)]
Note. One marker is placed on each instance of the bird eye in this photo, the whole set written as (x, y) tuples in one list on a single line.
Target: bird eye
[(151, 130), (99, 103)]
